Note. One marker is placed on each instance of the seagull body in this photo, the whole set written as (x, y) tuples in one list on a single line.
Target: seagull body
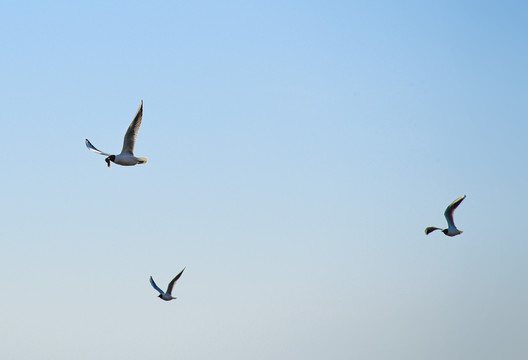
[(451, 228), (166, 295), (126, 157)]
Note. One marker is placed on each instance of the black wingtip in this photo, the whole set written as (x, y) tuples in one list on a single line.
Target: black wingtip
[(430, 229)]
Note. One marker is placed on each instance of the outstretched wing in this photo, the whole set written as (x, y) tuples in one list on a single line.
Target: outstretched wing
[(430, 229), (171, 284), (131, 135), (451, 209), (155, 286), (93, 148)]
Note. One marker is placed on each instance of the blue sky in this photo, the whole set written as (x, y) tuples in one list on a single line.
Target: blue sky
[(297, 150)]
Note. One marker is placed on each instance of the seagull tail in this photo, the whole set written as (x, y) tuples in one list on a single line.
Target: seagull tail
[(142, 160)]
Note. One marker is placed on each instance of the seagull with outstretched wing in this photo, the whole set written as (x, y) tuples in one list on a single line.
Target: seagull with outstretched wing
[(451, 228), (166, 295), (126, 157)]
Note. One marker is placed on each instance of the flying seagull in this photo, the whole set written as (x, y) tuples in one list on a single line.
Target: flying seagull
[(126, 157), (167, 294), (451, 228)]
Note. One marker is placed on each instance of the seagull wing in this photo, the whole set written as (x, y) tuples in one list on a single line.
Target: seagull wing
[(93, 148), (155, 286), (129, 141), (171, 284), (451, 209), (430, 229)]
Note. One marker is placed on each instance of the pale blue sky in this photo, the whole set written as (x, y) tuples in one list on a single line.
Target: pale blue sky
[(297, 150)]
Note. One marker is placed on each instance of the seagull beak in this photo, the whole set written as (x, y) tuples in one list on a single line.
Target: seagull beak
[(107, 161)]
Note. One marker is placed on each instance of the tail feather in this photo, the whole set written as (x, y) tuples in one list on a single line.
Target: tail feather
[(142, 160)]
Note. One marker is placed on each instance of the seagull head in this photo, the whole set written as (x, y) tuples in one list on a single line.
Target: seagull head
[(444, 231), (110, 158)]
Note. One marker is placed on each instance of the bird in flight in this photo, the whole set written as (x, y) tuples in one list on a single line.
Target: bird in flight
[(166, 295), (126, 157), (451, 228)]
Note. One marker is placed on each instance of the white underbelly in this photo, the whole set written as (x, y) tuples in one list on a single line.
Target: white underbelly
[(126, 160), (453, 232)]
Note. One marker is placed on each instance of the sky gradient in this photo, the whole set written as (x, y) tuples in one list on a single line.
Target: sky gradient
[(297, 151)]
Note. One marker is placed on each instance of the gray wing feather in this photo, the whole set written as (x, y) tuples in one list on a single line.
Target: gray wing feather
[(451, 209), (171, 284), (93, 148), (155, 286), (129, 141)]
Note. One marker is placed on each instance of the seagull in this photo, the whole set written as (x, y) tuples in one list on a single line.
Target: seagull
[(451, 228), (126, 157), (166, 295)]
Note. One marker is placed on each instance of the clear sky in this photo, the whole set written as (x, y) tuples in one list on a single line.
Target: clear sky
[(297, 151)]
